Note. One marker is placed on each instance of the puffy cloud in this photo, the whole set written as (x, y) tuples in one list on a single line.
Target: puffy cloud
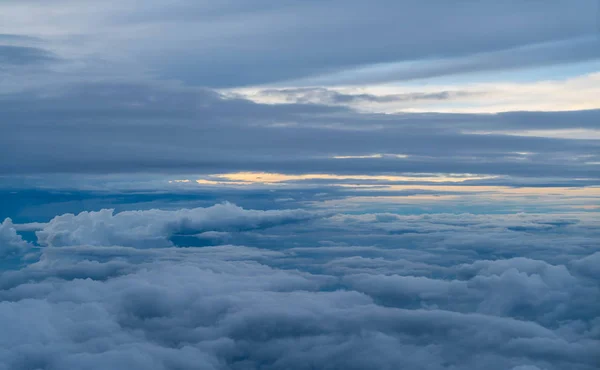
[(167, 313), (589, 265), (520, 288), (11, 243), (296, 300), (153, 228)]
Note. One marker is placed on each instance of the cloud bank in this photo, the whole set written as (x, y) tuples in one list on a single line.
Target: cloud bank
[(144, 128), (237, 44), (345, 291), (153, 228)]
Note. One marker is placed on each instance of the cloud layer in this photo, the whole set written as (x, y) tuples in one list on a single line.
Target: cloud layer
[(124, 124), (126, 127), (236, 44), (346, 291)]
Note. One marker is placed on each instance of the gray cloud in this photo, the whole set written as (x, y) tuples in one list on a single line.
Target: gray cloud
[(23, 55), (429, 302), (546, 54), (237, 44), (136, 272), (328, 96), (117, 127), (153, 228), (454, 38), (589, 265)]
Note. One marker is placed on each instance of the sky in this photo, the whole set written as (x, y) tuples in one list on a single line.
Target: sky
[(299, 184)]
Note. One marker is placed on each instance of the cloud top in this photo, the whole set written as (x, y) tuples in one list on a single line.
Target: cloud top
[(154, 228), (349, 291)]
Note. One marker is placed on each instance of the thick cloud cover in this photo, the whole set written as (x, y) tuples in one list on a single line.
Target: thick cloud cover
[(378, 291), (139, 127), (235, 43), (143, 114), (123, 88)]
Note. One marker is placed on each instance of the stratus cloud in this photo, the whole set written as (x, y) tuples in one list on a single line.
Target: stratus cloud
[(316, 95), (23, 55), (68, 128), (153, 228), (567, 94), (437, 38)]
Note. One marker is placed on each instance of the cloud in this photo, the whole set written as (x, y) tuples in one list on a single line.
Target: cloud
[(11, 243), (154, 228), (589, 265), (139, 98), (138, 127), (426, 299), (484, 94), (522, 288), (281, 41), (535, 55), (313, 95), (23, 55)]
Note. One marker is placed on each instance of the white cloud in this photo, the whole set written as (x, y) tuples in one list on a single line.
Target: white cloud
[(153, 228), (555, 94), (11, 243)]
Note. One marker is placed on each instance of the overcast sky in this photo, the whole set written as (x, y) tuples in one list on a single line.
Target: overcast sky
[(339, 87), (200, 87)]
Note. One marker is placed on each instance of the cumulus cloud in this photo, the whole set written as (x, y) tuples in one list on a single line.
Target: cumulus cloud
[(523, 56), (11, 243), (589, 265), (341, 292), (153, 228)]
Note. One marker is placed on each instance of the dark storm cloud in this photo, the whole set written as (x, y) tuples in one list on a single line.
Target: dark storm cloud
[(363, 297), (140, 127)]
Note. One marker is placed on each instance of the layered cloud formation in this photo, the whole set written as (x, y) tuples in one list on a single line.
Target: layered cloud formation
[(189, 87), (382, 153), (236, 43), (349, 291), (124, 128)]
